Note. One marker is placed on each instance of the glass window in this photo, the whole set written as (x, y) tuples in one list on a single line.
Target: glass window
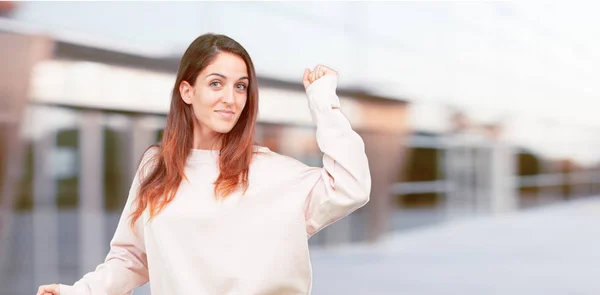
[(117, 175)]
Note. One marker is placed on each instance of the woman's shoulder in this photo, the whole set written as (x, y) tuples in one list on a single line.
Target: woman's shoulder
[(264, 154), (274, 167), (149, 154), (267, 157), (148, 159)]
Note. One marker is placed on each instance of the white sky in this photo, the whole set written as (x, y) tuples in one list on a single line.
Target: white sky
[(526, 59)]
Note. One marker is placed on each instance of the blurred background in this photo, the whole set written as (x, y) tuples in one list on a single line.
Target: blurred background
[(480, 123)]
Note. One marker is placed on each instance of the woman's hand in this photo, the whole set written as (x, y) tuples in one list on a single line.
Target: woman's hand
[(53, 289), (314, 75)]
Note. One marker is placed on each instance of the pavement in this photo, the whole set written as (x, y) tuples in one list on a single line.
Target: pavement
[(548, 250)]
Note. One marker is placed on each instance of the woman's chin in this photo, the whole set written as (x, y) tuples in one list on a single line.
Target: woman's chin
[(222, 129)]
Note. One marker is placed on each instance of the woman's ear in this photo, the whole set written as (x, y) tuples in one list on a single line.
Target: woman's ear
[(186, 91)]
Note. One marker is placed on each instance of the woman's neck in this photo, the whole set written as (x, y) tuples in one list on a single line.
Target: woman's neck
[(206, 140)]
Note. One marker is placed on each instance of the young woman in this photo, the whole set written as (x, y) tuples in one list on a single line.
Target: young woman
[(210, 212)]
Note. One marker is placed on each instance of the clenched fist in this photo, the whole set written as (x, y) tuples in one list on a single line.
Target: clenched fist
[(314, 75), (53, 289)]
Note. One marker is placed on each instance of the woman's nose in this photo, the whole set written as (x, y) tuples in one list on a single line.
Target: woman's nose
[(228, 96)]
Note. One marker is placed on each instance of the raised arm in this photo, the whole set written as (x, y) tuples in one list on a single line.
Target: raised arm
[(345, 182), (125, 267)]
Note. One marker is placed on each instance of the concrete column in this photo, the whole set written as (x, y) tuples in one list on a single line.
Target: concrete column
[(92, 243), (45, 213), (504, 191), (459, 164), (483, 172)]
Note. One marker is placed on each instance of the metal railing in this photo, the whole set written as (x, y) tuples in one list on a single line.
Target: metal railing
[(446, 184)]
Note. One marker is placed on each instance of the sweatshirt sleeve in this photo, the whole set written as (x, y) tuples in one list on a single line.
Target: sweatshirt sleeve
[(344, 184), (125, 267)]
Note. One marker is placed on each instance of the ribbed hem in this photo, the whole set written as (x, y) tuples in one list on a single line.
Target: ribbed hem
[(68, 290), (203, 155), (325, 83)]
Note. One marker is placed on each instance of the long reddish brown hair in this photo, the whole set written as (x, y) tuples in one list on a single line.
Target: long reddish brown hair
[(160, 185)]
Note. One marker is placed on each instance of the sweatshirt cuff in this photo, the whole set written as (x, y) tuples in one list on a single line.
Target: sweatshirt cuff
[(321, 94), (68, 290)]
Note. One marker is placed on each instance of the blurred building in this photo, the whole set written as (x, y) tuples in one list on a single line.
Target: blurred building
[(76, 113)]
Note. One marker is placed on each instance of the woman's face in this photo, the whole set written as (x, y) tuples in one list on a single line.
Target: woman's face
[(218, 95)]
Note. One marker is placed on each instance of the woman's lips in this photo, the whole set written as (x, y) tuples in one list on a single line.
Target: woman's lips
[(225, 114)]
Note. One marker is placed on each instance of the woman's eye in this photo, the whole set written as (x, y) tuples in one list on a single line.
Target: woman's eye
[(215, 84), (241, 87)]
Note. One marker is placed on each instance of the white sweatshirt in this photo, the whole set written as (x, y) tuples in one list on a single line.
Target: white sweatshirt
[(251, 244)]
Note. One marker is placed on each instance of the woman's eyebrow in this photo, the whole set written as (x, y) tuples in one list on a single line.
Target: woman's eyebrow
[(217, 74), (224, 77)]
